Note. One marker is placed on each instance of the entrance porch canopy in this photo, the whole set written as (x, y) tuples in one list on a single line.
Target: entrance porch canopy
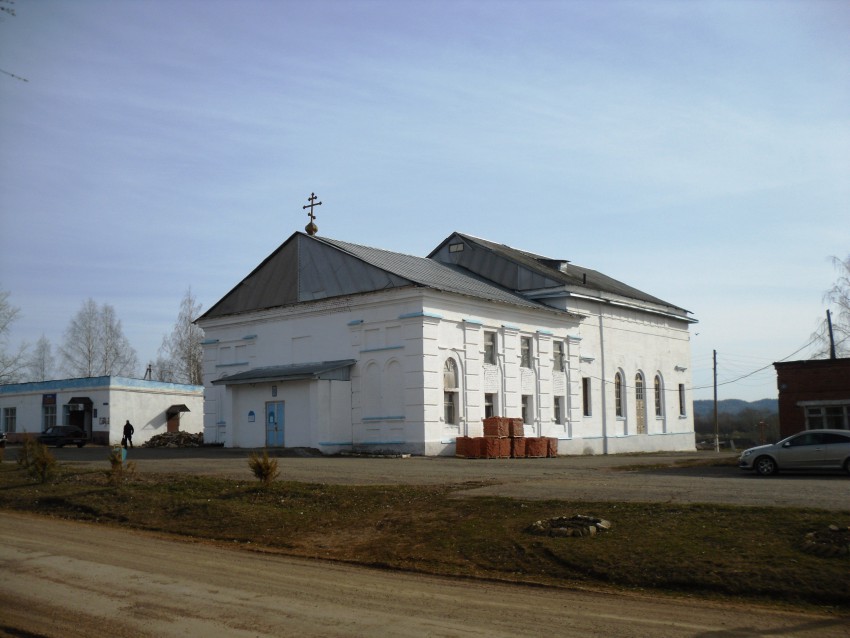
[(324, 370)]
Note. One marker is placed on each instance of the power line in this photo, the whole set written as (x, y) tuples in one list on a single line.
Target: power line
[(749, 374)]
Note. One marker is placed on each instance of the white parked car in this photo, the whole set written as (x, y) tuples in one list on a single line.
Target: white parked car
[(809, 450)]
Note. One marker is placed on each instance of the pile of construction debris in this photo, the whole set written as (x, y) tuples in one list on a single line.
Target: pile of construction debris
[(828, 542), (578, 525), (176, 439)]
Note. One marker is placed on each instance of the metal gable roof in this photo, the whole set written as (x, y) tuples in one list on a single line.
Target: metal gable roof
[(433, 274), (542, 271)]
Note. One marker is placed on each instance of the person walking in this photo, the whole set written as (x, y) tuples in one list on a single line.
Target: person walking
[(128, 434)]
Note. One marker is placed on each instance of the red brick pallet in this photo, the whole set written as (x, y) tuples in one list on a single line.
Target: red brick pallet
[(495, 447)]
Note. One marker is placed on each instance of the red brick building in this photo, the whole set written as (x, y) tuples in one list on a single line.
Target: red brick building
[(813, 394)]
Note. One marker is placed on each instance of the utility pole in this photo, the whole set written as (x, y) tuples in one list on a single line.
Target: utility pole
[(716, 430), (831, 338)]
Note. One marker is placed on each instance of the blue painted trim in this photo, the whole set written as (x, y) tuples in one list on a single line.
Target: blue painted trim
[(510, 327), (360, 443), (545, 332), (473, 321), (412, 315), (107, 382), (574, 338), (207, 342), (249, 337), (355, 322), (380, 349), (383, 418)]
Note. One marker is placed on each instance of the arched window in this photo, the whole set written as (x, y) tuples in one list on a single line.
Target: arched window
[(618, 394), (450, 392), (640, 404), (659, 406)]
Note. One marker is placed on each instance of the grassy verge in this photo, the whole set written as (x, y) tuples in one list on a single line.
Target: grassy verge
[(708, 550)]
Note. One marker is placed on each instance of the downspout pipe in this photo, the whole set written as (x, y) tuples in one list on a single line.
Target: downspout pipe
[(604, 376)]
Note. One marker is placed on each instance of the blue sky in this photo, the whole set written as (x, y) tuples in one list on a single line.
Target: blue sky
[(699, 151)]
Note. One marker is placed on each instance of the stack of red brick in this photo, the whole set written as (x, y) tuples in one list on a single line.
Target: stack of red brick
[(505, 438)]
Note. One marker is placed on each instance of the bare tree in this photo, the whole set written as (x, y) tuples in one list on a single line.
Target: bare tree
[(42, 364), (181, 353), (838, 296), (12, 364), (117, 356), (95, 344)]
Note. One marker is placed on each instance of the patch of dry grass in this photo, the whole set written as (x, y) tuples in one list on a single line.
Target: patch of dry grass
[(741, 552)]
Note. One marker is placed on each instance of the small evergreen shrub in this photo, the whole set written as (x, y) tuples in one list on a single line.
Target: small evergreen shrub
[(263, 467), (119, 471), (37, 460)]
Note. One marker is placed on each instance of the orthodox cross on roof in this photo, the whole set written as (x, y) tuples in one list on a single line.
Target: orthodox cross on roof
[(311, 228)]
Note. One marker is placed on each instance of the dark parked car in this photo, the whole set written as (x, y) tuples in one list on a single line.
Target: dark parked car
[(60, 435), (809, 450)]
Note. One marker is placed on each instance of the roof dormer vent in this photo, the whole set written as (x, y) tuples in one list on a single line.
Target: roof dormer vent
[(557, 264)]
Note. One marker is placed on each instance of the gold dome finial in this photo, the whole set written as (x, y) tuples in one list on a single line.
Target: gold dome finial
[(311, 228)]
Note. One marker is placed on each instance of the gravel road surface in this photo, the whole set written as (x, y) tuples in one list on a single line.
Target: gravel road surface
[(675, 478)]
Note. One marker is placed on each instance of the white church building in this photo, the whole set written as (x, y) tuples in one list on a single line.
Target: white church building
[(338, 346)]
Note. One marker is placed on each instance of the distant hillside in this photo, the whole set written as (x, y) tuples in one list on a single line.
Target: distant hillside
[(705, 407)]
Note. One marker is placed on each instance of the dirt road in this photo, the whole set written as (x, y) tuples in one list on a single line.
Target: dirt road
[(56, 580)]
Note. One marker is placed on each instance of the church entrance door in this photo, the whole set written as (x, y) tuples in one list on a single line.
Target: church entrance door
[(274, 423)]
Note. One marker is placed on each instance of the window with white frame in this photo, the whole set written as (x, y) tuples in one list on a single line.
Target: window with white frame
[(834, 417), (618, 395), (489, 405), (525, 352), (558, 356), (659, 404), (558, 408), (490, 347), (48, 416), (450, 392), (526, 408), (10, 419)]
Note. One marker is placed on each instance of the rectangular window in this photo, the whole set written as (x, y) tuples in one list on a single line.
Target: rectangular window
[(526, 408), (48, 416), (450, 407), (490, 348), (835, 417), (682, 411), (525, 352), (585, 396), (558, 356), (559, 410), (489, 405), (814, 418), (10, 419)]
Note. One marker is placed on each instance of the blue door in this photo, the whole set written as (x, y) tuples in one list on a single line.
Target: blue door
[(274, 424)]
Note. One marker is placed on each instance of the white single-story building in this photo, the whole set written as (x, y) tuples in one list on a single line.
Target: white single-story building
[(100, 406), (334, 345)]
